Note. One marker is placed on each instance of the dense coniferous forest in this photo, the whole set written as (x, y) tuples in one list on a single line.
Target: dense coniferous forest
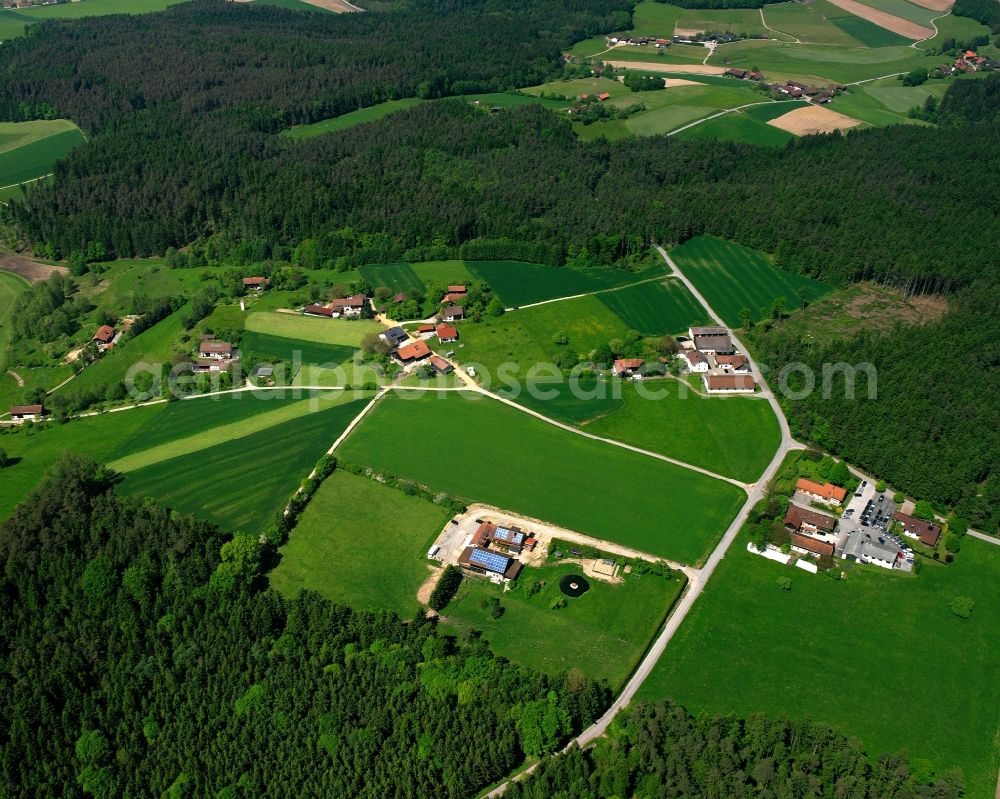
[(660, 752), (142, 656)]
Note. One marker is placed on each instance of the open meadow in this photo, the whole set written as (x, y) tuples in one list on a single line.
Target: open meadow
[(603, 633), (11, 287), (518, 283), (361, 543), (241, 483), (345, 332), (29, 149), (479, 449), (732, 277), (655, 309), (733, 436), (878, 655)]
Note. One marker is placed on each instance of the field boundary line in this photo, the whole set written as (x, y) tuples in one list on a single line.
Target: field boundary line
[(31, 180), (588, 293), (795, 39), (914, 46), (725, 111)]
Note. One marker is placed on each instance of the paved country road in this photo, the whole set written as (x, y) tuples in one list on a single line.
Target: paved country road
[(697, 585)]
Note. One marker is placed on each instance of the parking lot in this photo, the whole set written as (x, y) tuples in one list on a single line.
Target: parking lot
[(871, 511)]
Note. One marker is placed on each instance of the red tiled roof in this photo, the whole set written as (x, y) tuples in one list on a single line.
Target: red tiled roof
[(413, 351), (603, 96), (730, 382), (694, 357), (441, 365), (318, 310), (453, 296), (736, 361), (425, 329), (446, 331), (812, 544), (24, 410), (825, 490), (627, 364), (456, 289), (214, 347), (255, 281), (104, 334)]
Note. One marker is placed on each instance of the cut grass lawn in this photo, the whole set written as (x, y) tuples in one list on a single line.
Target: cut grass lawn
[(29, 149), (819, 650), (732, 277), (733, 436), (265, 346), (35, 450), (347, 332), (361, 543), (246, 423), (502, 456), (656, 308), (603, 633), (398, 277), (241, 484), (518, 283)]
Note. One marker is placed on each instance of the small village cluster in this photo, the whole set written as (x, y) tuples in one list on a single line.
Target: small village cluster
[(869, 539), (408, 350), (705, 37), (969, 61), (792, 89)]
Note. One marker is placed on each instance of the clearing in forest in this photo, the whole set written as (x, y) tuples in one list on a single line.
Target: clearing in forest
[(813, 119)]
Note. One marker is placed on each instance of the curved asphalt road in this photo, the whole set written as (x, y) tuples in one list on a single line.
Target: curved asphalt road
[(755, 493)]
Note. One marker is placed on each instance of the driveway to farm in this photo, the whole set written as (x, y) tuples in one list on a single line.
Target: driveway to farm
[(697, 585)]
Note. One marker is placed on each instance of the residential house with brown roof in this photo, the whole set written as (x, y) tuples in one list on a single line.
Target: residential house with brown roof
[(446, 333), (486, 561), (258, 283), (696, 361), (315, 309), (812, 546), (414, 351), (824, 492), (213, 348), (927, 532), (626, 366), (806, 521), (104, 337), (737, 363), (453, 313), (348, 306), (440, 365), (26, 413)]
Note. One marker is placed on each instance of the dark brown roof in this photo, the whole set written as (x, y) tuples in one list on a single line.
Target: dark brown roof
[(928, 532), (721, 344), (255, 281), (811, 544), (318, 310), (441, 365), (730, 382), (735, 361), (796, 517), (24, 410), (355, 301), (454, 310), (709, 331), (214, 347)]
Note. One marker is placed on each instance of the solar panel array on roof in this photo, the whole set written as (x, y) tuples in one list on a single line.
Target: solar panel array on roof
[(491, 561), (508, 535)]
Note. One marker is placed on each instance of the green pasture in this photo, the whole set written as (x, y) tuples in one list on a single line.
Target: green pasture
[(732, 436), (811, 23), (769, 111), (868, 33), (878, 655), (603, 633), (732, 277), (572, 89), (350, 119), (675, 54), (572, 400), (29, 149), (346, 332), (494, 457), (905, 10), (518, 283), (11, 286), (13, 22), (398, 277), (655, 308), (242, 483), (361, 543), (737, 20), (737, 126), (35, 449), (293, 350), (246, 423), (442, 273)]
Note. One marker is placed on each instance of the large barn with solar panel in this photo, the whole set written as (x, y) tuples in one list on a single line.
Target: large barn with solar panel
[(488, 562)]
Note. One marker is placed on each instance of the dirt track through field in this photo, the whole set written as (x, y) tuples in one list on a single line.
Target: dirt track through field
[(337, 6), (653, 66), (934, 5), (911, 30), (32, 271), (813, 119)]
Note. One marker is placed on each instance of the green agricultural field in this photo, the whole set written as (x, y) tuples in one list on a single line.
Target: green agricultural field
[(492, 455), (732, 277), (11, 286), (656, 308), (398, 277), (518, 283), (732, 436), (347, 332), (878, 655), (12, 23), (603, 633), (35, 450), (243, 423), (905, 10), (868, 33), (294, 350), (29, 149), (349, 120), (527, 336), (241, 484), (737, 126), (811, 23), (362, 544), (769, 111), (573, 402), (738, 20), (442, 273)]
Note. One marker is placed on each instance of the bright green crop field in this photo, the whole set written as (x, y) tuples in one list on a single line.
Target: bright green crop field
[(518, 283), (656, 308), (350, 119), (242, 483), (878, 655), (732, 436), (573, 402), (398, 277), (732, 277), (738, 126), (13, 22), (347, 332), (361, 543), (603, 633), (29, 149), (494, 456), (279, 348)]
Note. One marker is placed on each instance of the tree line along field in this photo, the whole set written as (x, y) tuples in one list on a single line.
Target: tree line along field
[(13, 22), (28, 150), (479, 449), (603, 633), (242, 483), (878, 655), (360, 543), (732, 277)]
